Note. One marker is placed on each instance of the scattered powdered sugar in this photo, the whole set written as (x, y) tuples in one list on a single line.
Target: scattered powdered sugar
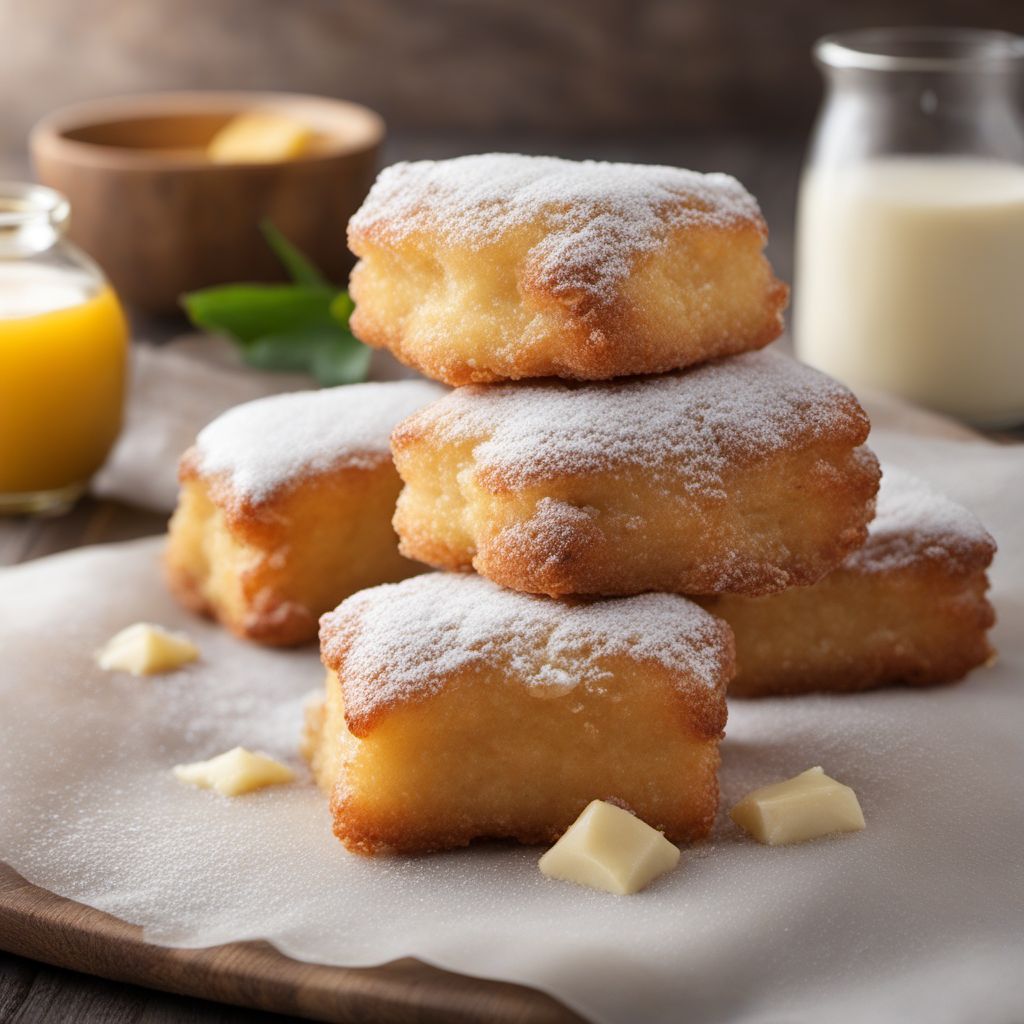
[(265, 444), (397, 641), (597, 217), (915, 522), (703, 419)]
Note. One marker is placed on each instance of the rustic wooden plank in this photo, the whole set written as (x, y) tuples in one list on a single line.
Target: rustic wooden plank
[(16, 535), (48, 1000), (89, 522), (57, 996), (43, 926), (16, 978)]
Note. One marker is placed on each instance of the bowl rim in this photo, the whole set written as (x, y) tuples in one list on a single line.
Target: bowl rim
[(49, 135)]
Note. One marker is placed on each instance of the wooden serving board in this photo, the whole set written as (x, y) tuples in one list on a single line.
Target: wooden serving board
[(40, 925)]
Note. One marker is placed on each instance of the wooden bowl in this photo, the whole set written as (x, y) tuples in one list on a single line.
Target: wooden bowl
[(161, 220)]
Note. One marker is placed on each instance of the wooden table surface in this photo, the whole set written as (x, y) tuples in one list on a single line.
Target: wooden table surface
[(31, 991)]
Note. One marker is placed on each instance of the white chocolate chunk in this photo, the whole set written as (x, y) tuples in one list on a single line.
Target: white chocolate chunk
[(235, 772), (609, 848), (145, 649), (805, 807)]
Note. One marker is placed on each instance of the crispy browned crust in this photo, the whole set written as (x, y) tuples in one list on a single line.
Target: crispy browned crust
[(275, 604), (821, 501), (584, 337), (613, 347), (371, 835), (687, 712), (921, 625), (185, 587), (280, 624)]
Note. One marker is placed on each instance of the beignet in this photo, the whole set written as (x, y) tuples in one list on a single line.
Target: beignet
[(747, 475), (502, 267), (458, 710), (286, 506), (907, 608)]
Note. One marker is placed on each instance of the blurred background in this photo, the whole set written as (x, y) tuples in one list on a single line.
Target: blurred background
[(724, 86)]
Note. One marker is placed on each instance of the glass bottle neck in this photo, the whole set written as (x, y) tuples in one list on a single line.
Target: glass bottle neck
[(932, 113), (32, 219), (941, 92)]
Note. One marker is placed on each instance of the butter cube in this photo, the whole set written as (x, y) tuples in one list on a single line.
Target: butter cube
[(609, 848), (259, 137), (236, 772), (805, 807), (145, 649)]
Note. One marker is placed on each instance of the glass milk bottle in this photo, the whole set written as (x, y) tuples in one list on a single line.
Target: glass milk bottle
[(910, 235)]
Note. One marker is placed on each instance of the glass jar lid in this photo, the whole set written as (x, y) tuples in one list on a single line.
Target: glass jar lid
[(925, 49)]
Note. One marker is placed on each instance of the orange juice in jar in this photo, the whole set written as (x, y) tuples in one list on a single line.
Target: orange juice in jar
[(63, 354)]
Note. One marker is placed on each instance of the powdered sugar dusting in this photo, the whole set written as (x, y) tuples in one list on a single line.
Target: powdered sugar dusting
[(915, 522), (597, 217), (401, 640), (704, 419), (266, 444)]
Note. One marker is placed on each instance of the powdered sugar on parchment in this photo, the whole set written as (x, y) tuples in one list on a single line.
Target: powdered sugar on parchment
[(703, 419), (850, 928), (265, 444), (401, 640), (915, 523), (597, 217)]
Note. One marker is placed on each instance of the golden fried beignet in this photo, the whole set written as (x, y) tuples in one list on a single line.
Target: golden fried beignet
[(286, 507), (502, 267), (457, 710), (907, 608), (743, 476)]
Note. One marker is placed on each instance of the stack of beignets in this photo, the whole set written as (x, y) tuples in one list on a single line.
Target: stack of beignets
[(615, 454), (612, 433)]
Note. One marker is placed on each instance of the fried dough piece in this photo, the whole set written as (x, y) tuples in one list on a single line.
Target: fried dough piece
[(742, 476), (503, 267), (908, 608), (286, 507), (457, 710)]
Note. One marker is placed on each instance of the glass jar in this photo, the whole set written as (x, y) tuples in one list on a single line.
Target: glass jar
[(910, 235), (63, 353)]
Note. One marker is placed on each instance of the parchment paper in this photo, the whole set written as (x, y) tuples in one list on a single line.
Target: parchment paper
[(920, 917)]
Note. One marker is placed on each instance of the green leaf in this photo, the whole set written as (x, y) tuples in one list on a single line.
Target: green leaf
[(290, 351), (344, 361), (331, 355), (293, 327), (341, 308), (251, 311), (297, 263)]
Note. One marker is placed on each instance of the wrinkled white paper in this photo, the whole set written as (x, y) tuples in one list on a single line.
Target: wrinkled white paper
[(920, 917)]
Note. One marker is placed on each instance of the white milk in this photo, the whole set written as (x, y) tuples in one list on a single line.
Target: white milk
[(910, 277)]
